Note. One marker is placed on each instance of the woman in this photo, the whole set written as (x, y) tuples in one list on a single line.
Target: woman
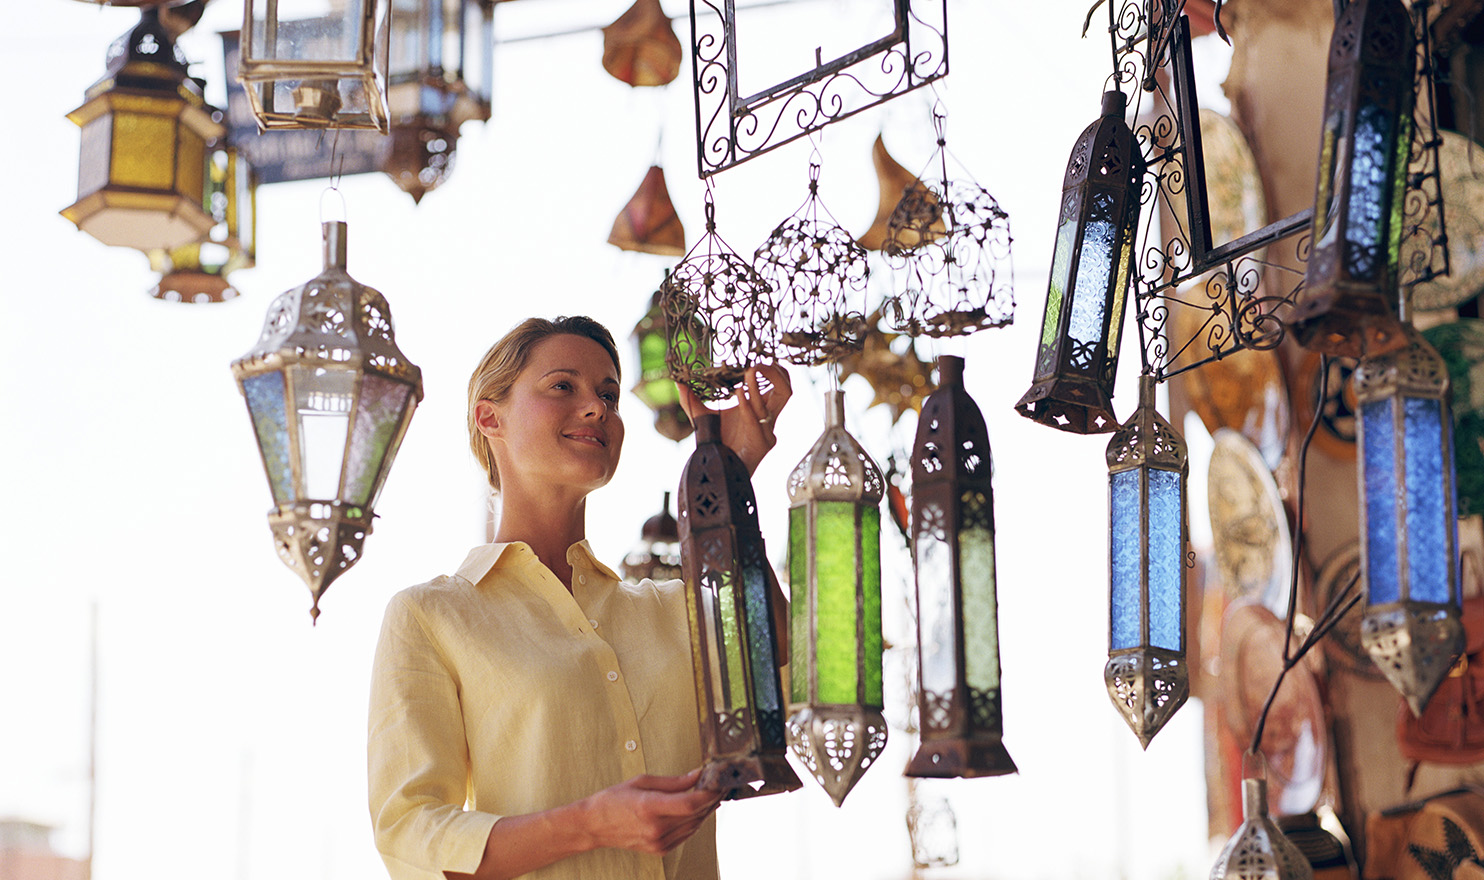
[(532, 715)]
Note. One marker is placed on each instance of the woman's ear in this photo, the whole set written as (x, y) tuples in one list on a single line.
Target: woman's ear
[(487, 418)]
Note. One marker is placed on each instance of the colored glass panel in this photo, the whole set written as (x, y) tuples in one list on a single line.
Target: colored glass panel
[(872, 649), (836, 551), (1428, 519), (798, 628), (734, 674), (1399, 190), (1378, 460), (658, 388), (1326, 204), (265, 403), (322, 402), (1124, 610), (93, 162), (190, 166), (1061, 267), (143, 150), (980, 610), (1094, 269), (710, 582), (1367, 218), (1120, 286), (1166, 559), (371, 437), (935, 625), (760, 633)]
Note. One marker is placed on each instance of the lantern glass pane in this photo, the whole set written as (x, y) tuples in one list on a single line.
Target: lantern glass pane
[(1399, 190), (190, 167), (1378, 449), (1367, 218), (1325, 205), (1166, 559), (322, 402), (980, 614), (1120, 285), (371, 440), (1061, 268), (734, 671), (873, 646), (299, 37), (1094, 268), (93, 158), (412, 38), (935, 608), (265, 403), (1428, 522), (659, 389), (836, 546), (710, 617), (798, 579), (759, 635), (1124, 607), (143, 150)]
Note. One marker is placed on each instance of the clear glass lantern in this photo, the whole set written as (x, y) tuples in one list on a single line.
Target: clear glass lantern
[(197, 272), (958, 647), (730, 605), (316, 63), (1077, 358), (835, 726), (1148, 467), (657, 557), (1412, 626), (330, 395)]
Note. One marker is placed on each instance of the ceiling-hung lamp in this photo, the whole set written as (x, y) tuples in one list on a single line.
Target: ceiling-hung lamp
[(141, 179), (328, 71), (655, 388), (330, 396), (641, 48), (648, 223), (658, 555), (1148, 466), (197, 273), (1077, 358), (893, 180), (730, 605), (835, 726), (1412, 626), (958, 646), (1258, 849), (1348, 304)]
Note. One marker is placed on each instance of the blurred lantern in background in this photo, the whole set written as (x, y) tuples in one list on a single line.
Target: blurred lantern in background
[(958, 646), (330, 396), (1077, 358), (1148, 467), (658, 555), (834, 560), (197, 273), (1258, 850), (142, 168), (328, 71), (648, 222), (1348, 304), (1412, 626), (731, 605), (655, 387), (641, 48)]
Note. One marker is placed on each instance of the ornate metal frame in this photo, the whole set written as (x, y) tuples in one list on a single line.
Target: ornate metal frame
[(732, 128)]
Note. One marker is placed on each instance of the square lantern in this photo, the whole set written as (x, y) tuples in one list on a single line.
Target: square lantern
[(1148, 467), (316, 63), (330, 395), (1412, 626), (834, 561), (1091, 267), (142, 169), (1348, 304), (958, 647), (730, 606)]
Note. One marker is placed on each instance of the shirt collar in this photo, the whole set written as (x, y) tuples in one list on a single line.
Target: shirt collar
[(484, 558)]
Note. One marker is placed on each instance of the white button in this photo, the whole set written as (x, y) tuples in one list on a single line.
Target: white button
[(582, 579), (631, 745), (593, 623), (613, 676)]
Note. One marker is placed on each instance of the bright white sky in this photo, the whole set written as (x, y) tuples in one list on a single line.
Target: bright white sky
[(231, 733)]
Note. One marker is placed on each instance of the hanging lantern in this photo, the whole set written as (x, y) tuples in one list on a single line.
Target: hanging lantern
[(1077, 359), (323, 72), (1348, 304), (729, 601), (1409, 534), (141, 179), (1147, 471), (655, 387), (330, 396), (958, 645), (641, 48), (419, 158), (834, 561), (648, 222), (658, 555), (893, 180), (1258, 850), (197, 273)]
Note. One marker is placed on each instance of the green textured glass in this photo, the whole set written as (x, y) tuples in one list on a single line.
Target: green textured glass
[(836, 572), (659, 389), (1399, 191), (1061, 268), (735, 674), (798, 578), (1120, 288), (977, 575), (873, 647)]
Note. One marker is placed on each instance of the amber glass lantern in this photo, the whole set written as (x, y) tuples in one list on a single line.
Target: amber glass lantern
[(657, 557), (835, 726), (312, 64), (330, 396), (1348, 304), (1148, 467), (1412, 626), (729, 602), (197, 272), (958, 645), (1077, 358), (141, 179)]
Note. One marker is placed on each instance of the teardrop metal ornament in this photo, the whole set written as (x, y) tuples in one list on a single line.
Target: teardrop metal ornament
[(1258, 850)]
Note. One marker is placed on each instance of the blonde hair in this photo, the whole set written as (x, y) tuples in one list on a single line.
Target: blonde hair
[(497, 370)]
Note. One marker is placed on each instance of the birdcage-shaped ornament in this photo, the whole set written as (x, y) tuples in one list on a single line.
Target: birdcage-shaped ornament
[(720, 316), (819, 276), (948, 247)]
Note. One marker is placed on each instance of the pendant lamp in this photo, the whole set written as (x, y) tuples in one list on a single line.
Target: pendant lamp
[(1258, 850)]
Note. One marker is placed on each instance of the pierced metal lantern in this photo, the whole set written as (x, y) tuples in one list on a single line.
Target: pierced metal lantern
[(730, 604), (834, 560), (658, 555), (1258, 850), (1348, 304), (302, 70), (330, 396), (958, 644), (141, 180), (197, 273), (1077, 359), (1409, 532), (655, 388), (1148, 467)]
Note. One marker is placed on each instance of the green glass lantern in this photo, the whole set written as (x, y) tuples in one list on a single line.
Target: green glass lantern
[(655, 387), (730, 606), (834, 561), (330, 395), (958, 646)]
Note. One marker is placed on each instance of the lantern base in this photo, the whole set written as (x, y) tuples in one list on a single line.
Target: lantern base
[(140, 220), (750, 776), (965, 758), (1076, 405), (1414, 644), (319, 540), (1147, 687), (1345, 323), (837, 744)]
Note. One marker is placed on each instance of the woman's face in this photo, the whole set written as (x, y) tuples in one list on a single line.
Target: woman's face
[(559, 425)]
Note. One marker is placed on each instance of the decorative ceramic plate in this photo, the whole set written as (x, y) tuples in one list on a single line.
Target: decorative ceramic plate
[(1335, 436), (1249, 526), (1461, 164)]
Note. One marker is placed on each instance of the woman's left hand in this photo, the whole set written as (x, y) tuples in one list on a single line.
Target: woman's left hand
[(747, 428)]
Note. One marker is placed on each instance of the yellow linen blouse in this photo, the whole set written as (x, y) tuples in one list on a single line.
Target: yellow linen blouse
[(496, 692)]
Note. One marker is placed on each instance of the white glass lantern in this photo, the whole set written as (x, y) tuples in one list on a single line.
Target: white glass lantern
[(316, 63)]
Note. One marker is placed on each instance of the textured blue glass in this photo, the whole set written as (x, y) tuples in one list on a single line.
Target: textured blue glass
[(1094, 268), (1370, 190), (1428, 522), (1124, 611), (264, 393), (1378, 463), (765, 685), (1165, 559)]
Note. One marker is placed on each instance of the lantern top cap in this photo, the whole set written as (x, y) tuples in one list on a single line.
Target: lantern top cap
[(708, 428), (662, 526), (1115, 103), (1254, 797), (834, 404), (950, 369), (335, 232), (148, 42)]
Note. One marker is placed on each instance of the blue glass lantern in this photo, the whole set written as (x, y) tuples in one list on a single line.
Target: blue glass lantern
[(1409, 531), (1147, 472)]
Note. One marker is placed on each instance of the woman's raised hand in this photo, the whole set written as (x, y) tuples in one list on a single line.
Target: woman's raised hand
[(649, 814), (747, 428)]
